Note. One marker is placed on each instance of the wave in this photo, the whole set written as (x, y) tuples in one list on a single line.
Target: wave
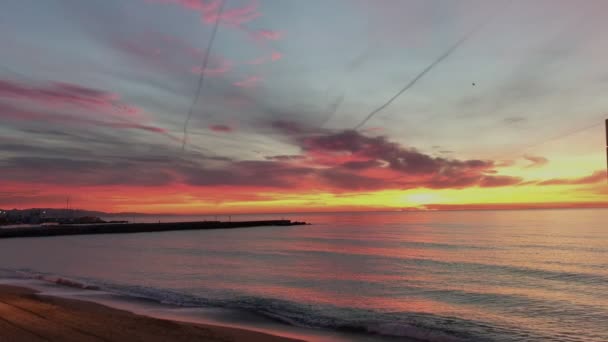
[(473, 267), (415, 326), (423, 327), (56, 280)]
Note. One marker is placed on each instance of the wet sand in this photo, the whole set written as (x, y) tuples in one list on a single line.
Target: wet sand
[(27, 316)]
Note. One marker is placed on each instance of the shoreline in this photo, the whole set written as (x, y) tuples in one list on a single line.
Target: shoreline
[(27, 315)]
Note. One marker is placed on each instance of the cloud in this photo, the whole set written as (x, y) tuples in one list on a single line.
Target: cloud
[(398, 158), (497, 181), (351, 181), (595, 177), (221, 128), (261, 35), (235, 16), (209, 11), (218, 66), (248, 173), (515, 206), (338, 162), (59, 94), (274, 56), (361, 164), (248, 82), (383, 163), (71, 104), (169, 53), (536, 161), (285, 157), (12, 113), (68, 171)]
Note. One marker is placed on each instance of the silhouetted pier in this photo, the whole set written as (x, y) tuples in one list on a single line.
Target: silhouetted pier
[(125, 228)]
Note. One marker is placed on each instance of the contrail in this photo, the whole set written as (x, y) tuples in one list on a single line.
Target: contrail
[(201, 79), (420, 75), (559, 136), (332, 108)]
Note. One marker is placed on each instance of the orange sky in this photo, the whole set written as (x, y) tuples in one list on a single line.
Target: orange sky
[(563, 187), (305, 106)]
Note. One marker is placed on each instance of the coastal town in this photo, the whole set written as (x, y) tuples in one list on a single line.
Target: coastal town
[(39, 216)]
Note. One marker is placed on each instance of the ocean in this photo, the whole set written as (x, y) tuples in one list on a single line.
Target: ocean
[(533, 275)]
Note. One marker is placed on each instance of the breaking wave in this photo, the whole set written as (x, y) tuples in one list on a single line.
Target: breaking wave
[(423, 327)]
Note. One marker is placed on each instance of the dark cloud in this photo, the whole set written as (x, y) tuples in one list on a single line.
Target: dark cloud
[(351, 181), (66, 171), (405, 160), (331, 160), (361, 165), (289, 127), (247, 173), (406, 167)]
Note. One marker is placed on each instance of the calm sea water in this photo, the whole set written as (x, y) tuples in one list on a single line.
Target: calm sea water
[(437, 276)]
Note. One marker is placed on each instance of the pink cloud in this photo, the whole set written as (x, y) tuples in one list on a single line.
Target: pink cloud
[(209, 11), (15, 114), (170, 53), (65, 94), (233, 17), (236, 17), (219, 66), (196, 5), (248, 82), (274, 56), (261, 35), (221, 128)]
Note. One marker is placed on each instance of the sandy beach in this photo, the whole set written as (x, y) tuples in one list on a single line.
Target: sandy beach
[(27, 316)]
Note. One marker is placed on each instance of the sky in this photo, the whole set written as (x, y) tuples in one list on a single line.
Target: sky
[(504, 105)]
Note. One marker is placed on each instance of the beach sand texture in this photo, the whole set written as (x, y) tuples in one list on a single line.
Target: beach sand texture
[(27, 316)]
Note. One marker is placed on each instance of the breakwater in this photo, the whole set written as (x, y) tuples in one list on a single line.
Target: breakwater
[(125, 228)]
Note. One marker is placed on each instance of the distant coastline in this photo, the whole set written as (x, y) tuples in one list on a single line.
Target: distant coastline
[(123, 216)]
